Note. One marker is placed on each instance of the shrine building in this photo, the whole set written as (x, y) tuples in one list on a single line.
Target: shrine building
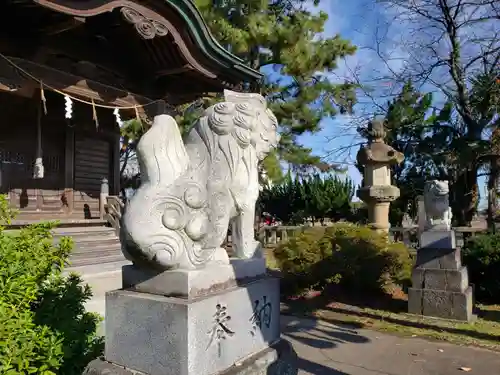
[(71, 71)]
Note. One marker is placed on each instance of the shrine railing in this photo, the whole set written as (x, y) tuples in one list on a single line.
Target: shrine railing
[(271, 236), (113, 212)]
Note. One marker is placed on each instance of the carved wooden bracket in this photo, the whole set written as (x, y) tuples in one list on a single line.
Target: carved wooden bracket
[(147, 28), (10, 78), (147, 22), (66, 82)]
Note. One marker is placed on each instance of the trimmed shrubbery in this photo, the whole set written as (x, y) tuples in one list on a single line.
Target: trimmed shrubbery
[(44, 327), (354, 256), (481, 255)]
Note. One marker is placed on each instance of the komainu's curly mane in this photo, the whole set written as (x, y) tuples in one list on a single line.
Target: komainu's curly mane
[(436, 204)]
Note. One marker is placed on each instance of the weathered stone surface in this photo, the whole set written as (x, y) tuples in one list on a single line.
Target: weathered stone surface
[(440, 282), (437, 208), (165, 335), (438, 239), (441, 303), (376, 190), (377, 152), (437, 303), (439, 258), (194, 283), (441, 279), (278, 359), (463, 305), (457, 281), (378, 193), (415, 301), (192, 189)]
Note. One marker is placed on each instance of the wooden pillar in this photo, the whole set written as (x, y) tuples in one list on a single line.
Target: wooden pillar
[(69, 168), (115, 170), (103, 197)]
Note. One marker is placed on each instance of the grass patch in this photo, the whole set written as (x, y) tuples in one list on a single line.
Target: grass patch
[(388, 314)]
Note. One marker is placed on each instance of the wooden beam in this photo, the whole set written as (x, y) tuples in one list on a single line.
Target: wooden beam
[(71, 84), (169, 72), (64, 26)]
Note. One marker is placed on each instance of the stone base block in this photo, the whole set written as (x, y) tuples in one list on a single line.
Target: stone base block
[(192, 283), (435, 258), (441, 303), (161, 335), (439, 279), (278, 359), (438, 239)]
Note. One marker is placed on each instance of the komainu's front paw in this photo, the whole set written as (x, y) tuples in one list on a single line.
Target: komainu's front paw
[(257, 249), (251, 249)]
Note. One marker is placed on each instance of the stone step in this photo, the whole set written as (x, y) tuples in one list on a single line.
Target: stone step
[(90, 240), (64, 222), (117, 257), (86, 231), (55, 216), (75, 230), (96, 251), (97, 270), (102, 251), (102, 278), (93, 245)]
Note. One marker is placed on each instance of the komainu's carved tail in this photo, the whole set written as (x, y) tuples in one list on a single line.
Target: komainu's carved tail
[(162, 160), (161, 152)]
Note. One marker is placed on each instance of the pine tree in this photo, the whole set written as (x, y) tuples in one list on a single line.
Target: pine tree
[(284, 39)]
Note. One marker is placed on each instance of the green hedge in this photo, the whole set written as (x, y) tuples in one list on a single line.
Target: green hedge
[(45, 329), (481, 255), (354, 256)]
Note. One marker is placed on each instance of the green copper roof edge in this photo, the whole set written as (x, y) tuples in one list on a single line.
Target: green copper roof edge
[(205, 40)]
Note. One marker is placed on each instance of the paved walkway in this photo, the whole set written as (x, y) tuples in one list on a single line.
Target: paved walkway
[(328, 349)]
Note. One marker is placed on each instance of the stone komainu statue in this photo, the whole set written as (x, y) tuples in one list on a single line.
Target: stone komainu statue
[(436, 203), (192, 191)]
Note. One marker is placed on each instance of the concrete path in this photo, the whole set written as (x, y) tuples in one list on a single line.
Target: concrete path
[(328, 349)]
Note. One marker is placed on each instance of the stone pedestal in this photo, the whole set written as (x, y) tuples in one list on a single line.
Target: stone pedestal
[(440, 282), (193, 283), (229, 325), (378, 199)]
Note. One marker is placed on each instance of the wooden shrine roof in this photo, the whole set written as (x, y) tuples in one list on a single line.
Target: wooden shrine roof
[(155, 48)]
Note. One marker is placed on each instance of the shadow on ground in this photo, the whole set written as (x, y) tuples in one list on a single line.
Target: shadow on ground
[(318, 335), (321, 336), (317, 368), (335, 295), (487, 314), (353, 305), (413, 324)]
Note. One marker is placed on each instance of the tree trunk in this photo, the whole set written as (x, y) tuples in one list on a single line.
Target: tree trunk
[(492, 193), (466, 196)]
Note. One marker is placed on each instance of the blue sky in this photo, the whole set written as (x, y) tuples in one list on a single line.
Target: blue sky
[(384, 48), (357, 21)]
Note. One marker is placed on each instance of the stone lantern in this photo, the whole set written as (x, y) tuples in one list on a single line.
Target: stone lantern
[(377, 192)]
